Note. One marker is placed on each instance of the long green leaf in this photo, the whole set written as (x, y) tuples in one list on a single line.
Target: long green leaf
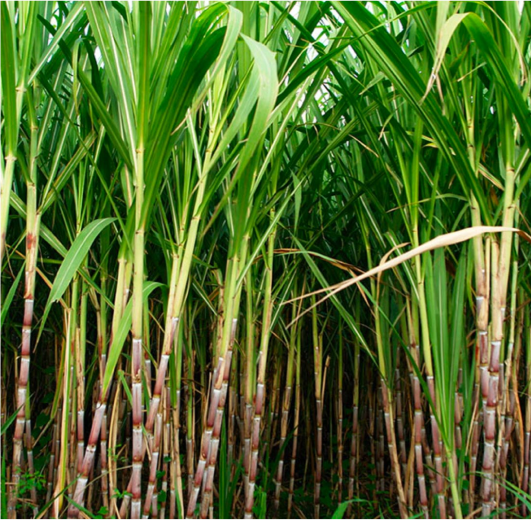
[(71, 263), (9, 298), (8, 71), (390, 58)]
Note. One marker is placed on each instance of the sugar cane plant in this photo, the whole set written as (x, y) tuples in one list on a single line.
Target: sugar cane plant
[(265, 259)]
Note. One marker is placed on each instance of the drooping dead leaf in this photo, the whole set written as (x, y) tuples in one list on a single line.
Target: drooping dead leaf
[(448, 239)]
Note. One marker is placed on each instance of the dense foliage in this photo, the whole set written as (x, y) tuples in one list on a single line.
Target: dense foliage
[(265, 258)]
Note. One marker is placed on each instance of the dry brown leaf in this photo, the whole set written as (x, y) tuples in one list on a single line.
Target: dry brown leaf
[(448, 239)]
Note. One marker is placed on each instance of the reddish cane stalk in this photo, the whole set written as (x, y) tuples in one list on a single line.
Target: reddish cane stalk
[(286, 406), (101, 407), (293, 461), (213, 425), (33, 219), (354, 441), (339, 415), (216, 433), (492, 387), (418, 424)]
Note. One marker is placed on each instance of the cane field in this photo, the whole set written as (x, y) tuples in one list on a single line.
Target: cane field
[(265, 259)]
